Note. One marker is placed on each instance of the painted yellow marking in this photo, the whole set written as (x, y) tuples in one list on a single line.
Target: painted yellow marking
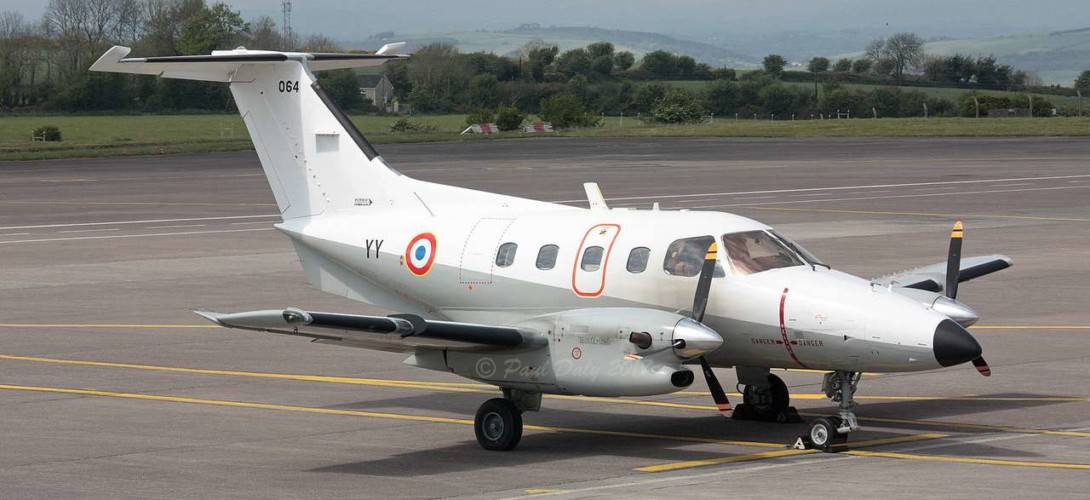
[(538, 491), (985, 427), (372, 414), (968, 460), (915, 214), (782, 453)]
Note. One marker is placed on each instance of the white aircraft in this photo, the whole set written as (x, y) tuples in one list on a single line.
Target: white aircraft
[(541, 298)]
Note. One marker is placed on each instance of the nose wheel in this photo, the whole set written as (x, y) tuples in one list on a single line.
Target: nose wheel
[(830, 434)]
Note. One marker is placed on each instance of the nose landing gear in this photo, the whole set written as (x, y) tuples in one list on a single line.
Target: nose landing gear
[(830, 434)]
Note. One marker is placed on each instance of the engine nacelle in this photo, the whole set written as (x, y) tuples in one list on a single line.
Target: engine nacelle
[(622, 351)]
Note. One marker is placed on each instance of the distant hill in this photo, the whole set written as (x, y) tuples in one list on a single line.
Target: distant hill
[(1057, 57), (509, 41)]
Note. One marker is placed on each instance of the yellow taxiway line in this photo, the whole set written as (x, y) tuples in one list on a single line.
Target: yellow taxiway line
[(490, 389), (983, 427), (372, 414), (968, 460), (688, 464), (107, 325)]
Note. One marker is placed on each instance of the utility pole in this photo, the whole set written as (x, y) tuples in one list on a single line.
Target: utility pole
[(287, 35)]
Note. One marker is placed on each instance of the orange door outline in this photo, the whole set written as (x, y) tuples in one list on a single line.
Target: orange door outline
[(605, 261)]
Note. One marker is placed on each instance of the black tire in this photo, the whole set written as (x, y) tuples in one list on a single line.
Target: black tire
[(767, 403), (824, 435), (498, 425)]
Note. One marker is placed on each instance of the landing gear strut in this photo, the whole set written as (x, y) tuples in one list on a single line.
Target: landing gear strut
[(769, 402), (498, 423), (830, 434)]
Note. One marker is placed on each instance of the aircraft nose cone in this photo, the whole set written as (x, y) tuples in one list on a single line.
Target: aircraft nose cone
[(953, 344), (697, 337)]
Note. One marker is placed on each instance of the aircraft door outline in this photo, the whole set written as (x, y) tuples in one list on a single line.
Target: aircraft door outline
[(592, 282)]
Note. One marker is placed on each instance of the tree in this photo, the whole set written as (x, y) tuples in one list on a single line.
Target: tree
[(565, 110), (1083, 82), (574, 62), (773, 65), (777, 99), (721, 97), (343, 88), (647, 95), (724, 74), (484, 91), (905, 50), (843, 65), (600, 49), (623, 60), (686, 67), (438, 75), (264, 35), (677, 106), (876, 50), (537, 58), (659, 64), (509, 118), (818, 65), (216, 27), (860, 66), (602, 65)]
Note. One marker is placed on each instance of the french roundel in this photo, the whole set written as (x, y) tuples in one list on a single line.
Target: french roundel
[(420, 254)]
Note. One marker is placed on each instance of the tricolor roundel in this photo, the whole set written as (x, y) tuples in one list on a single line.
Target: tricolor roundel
[(420, 254)]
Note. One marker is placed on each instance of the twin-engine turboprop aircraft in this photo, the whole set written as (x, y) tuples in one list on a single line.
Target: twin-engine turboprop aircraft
[(539, 298)]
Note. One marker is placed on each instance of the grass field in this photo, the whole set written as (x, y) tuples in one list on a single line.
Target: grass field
[(117, 135), (943, 92)]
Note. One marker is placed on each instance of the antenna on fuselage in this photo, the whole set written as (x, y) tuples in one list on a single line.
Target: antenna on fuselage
[(594, 196)]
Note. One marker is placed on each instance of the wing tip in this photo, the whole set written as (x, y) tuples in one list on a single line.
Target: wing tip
[(210, 316)]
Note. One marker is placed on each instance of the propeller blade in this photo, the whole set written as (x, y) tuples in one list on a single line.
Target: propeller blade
[(953, 261), (716, 389), (704, 284), (982, 367)]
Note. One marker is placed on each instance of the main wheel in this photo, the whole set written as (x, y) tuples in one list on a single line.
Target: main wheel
[(769, 402), (498, 425), (824, 435)]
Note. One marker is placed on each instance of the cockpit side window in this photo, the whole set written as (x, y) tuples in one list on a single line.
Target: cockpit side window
[(810, 258), (685, 257), (755, 251)]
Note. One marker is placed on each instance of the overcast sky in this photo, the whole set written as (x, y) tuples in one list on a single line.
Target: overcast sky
[(354, 19)]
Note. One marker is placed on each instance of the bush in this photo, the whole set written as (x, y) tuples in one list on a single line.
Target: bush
[(565, 110), (407, 125), (677, 106), (479, 116), (509, 118), (48, 132)]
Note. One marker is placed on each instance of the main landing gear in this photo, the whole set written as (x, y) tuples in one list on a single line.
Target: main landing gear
[(830, 434), (498, 423), (768, 402)]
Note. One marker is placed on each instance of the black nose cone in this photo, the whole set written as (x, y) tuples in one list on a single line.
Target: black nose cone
[(953, 345)]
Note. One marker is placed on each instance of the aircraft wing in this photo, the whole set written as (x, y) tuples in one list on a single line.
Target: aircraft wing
[(396, 333), (933, 277)]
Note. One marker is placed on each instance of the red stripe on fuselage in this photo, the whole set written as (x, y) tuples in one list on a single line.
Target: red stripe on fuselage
[(783, 331)]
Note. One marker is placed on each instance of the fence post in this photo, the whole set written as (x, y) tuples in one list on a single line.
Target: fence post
[(925, 110), (1079, 93), (1030, 97), (976, 103), (874, 110)]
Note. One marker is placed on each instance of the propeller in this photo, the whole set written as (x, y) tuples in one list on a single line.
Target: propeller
[(700, 303), (953, 277)]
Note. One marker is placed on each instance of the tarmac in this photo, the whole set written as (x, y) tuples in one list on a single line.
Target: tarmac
[(111, 388)]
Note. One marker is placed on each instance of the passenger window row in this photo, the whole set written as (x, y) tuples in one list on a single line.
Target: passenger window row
[(591, 260)]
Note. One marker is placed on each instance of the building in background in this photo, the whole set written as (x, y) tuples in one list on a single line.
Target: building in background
[(379, 90)]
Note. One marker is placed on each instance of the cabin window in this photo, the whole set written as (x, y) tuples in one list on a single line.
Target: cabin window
[(685, 257), (546, 257), (505, 256), (637, 259), (592, 259)]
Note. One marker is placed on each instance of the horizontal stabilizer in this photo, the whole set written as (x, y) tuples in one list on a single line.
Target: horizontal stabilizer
[(399, 332), (221, 65), (932, 277)]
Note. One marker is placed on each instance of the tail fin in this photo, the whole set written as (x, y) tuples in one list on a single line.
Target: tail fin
[(315, 159)]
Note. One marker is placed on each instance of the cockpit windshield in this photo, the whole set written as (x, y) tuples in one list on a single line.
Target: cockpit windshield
[(755, 251), (804, 253)]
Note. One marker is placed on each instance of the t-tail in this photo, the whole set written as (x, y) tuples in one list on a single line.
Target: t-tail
[(315, 159)]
